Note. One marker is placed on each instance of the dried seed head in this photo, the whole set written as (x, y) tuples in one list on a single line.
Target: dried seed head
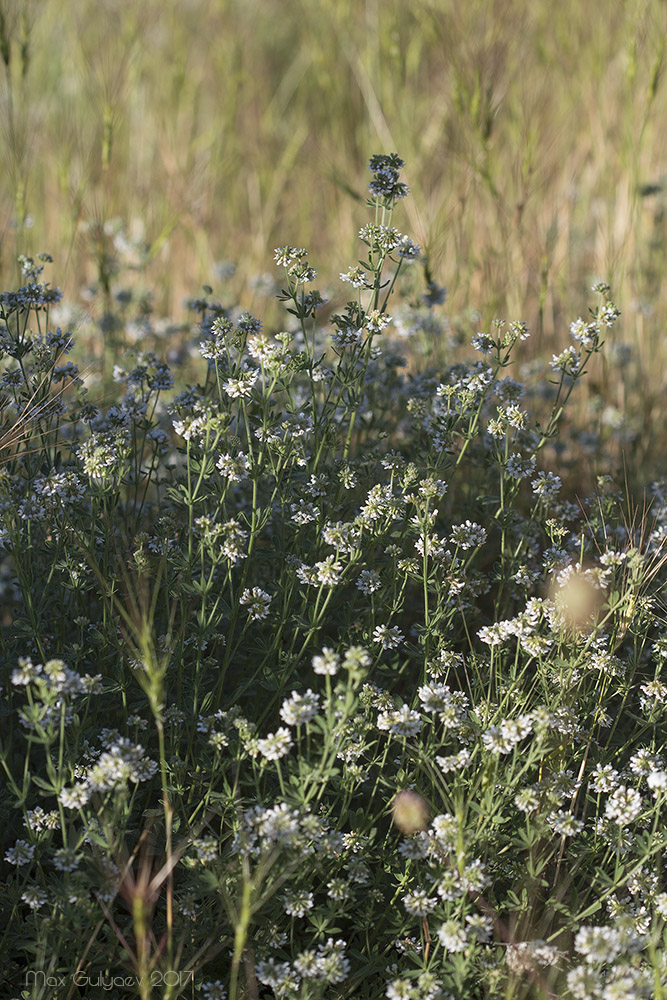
[(410, 812)]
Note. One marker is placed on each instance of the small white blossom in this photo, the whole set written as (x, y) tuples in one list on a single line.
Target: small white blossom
[(452, 936), (327, 662), (623, 805), (389, 638), (276, 745), (257, 602)]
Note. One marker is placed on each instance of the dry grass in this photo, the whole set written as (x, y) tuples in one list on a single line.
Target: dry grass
[(534, 138)]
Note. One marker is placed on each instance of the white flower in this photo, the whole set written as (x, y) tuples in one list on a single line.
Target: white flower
[(657, 782), (297, 904), (419, 903), (468, 535), (598, 944), (328, 572), (66, 859), (452, 936), (389, 638), (327, 663), (604, 778), (400, 989), (277, 744), (213, 990), (231, 468), (34, 898), (300, 708), (403, 722), (455, 762), (368, 581), (242, 385), (75, 797), (356, 277), (257, 601), (546, 485), (21, 853), (623, 805), (564, 824)]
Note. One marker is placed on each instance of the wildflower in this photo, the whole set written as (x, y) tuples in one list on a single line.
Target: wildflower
[(278, 975), (583, 982), (599, 944), (455, 762), (527, 800), (400, 989), (277, 744), (623, 805), (408, 249), (468, 535), (368, 581), (284, 256), (519, 467), (445, 830), (452, 936), (479, 927), (241, 386), (389, 638), (76, 796), (206, 849), (403, 722), (26, 673), (450, 886), (257, 602), (34, 898), (334, 967), (297, 904), (301, 272), (483, 343), (376, 321), (328, 572), (385, 183), (66, 859), (327, 662), (303, 512), (356, 277), (564, 824), (338, 889), (547, 485), (300, 708), (568, 361), (233, 469), (356, 661), (21, 853), (348, 477), (414, 848), (657, 782), (653, 696), (586, 334), (344, 537), (524, 956), (419, 903), (213, 989), (644, 762)]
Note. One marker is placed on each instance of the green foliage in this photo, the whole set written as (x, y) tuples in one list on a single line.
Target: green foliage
[(314, 681)]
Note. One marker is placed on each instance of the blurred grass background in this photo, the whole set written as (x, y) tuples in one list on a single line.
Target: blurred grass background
[(535, 138)]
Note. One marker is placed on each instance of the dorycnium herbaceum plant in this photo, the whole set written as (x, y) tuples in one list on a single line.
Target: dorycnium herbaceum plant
[(316, 684)]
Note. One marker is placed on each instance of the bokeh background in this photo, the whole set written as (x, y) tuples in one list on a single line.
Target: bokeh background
[(193, 134)]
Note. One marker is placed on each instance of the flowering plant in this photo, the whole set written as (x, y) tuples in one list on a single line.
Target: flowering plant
[(314, 681)]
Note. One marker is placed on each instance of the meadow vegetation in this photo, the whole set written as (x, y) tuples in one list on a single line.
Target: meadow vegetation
[(315, 684), (197, 136), (332, 599)]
